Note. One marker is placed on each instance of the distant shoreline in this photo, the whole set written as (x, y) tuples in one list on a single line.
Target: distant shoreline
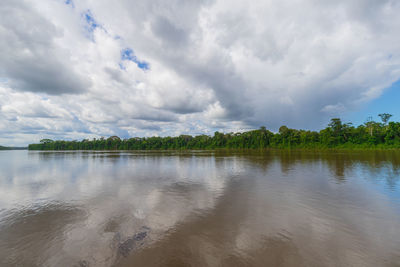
[(337, 136), (228, 150), (13, 148), (293, 149)]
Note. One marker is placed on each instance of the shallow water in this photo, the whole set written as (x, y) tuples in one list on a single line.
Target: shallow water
[(200, 208)]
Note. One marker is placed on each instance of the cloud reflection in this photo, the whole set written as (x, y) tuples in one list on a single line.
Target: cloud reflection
[(199, 208)]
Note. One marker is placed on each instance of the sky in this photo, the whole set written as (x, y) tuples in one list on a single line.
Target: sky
[(74, 69)]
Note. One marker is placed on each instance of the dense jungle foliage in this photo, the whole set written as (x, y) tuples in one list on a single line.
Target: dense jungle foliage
[(371, 134)]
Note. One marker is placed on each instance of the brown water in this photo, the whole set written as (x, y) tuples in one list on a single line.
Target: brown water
[(199, 208)]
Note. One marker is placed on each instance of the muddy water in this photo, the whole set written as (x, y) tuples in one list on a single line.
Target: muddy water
[(199, 208)]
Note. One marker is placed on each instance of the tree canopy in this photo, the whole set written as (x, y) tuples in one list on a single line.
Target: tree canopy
[(337, 134)]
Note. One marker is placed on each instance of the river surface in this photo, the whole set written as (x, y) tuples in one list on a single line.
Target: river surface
[(200, 208)]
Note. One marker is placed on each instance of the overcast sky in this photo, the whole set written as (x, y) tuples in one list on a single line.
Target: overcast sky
[(82, 69)]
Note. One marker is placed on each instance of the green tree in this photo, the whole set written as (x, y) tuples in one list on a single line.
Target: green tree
[(338, 134), (46, 141), (336, 125), (385, 117), (370, 125)]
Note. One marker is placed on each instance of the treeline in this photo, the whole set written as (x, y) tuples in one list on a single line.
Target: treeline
[(12, 148), (371, 134)]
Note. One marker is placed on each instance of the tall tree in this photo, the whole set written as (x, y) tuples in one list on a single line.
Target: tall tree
[(385, 117), (336, 125), (370, 125)]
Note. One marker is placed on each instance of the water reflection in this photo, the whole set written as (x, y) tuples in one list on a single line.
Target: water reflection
[(199, 208), (35, 232)]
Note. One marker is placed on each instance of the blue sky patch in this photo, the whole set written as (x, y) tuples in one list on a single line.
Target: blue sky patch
[(388, 102), (128, 54), (91, 22), (69, 2)]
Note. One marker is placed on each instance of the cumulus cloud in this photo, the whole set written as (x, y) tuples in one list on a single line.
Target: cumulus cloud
[(89, 68), (30, 58)]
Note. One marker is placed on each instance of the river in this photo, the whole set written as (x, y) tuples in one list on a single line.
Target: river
[(200, 208)]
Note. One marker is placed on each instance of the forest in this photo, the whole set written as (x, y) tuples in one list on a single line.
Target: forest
[(370, 135), (12, 148)]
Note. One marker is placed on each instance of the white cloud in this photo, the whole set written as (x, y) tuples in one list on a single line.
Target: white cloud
[(213, 65)]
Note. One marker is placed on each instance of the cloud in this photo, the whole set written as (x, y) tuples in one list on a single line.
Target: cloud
[(30, 58), (155, 68), (128, 54), (334, 109)]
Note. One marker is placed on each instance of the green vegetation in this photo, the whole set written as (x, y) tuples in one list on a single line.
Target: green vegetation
[(12, 148), (370, 135)]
